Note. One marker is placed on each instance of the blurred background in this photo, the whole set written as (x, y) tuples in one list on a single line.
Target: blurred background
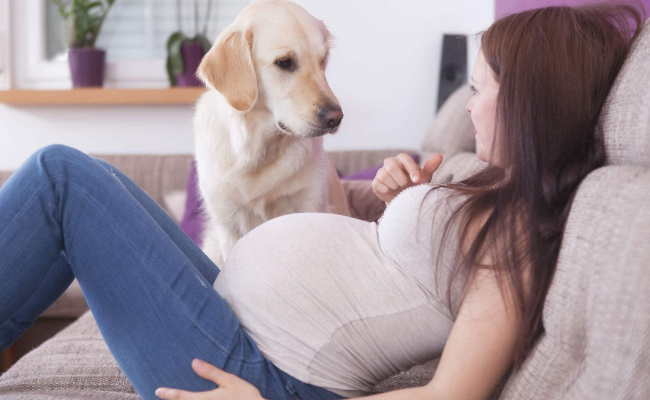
[(384, 68)]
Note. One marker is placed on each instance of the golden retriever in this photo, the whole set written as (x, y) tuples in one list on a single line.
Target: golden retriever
[(259, 127)]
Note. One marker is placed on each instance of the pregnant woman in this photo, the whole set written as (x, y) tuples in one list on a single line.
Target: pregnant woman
[(319, 306)]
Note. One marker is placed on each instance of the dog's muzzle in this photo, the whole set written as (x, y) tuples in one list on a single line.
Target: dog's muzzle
[(330, 117)]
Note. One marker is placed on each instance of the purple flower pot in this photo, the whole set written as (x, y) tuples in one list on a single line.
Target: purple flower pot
[(192, 55), (87, 66)]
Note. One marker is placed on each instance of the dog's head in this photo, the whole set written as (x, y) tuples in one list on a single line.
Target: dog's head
[(274, 55)]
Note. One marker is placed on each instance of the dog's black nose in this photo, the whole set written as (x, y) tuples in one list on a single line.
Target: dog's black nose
[(330, 116)]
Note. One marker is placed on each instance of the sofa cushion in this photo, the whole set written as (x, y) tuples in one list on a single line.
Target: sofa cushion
[(452, 131), (77, 365), (74, 364), (597, 311), (457, 167), (71, 304), (625, 120), (174, 203)]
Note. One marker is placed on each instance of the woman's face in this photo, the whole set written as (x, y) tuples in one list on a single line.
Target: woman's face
[(482, 107)]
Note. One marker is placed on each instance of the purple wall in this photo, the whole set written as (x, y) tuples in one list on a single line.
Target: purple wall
[(505, 7)]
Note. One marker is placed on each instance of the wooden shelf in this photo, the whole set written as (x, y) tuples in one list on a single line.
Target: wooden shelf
[(101, 97)]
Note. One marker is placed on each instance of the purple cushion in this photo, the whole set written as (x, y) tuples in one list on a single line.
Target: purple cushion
[(193, 221), (369, 173)]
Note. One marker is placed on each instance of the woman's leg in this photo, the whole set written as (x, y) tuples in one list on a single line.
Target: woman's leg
[(154, 308), (198, 258), (61, 276)]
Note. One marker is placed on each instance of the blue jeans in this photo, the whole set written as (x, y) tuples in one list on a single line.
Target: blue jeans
[(63, 215)]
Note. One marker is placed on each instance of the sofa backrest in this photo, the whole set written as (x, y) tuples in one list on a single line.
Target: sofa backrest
[(452, 131), (625, 120), (597, 311), (157, 175), (452, 135)]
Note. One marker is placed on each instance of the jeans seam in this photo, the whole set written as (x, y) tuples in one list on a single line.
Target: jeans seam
[(28, 202), (183, 307)]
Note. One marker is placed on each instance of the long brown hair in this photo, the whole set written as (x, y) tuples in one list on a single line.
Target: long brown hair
[(555, 67)]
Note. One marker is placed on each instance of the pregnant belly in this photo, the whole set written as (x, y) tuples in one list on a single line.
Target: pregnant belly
[(321, 301)]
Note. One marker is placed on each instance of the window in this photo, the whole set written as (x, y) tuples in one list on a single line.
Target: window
[(134, 36)]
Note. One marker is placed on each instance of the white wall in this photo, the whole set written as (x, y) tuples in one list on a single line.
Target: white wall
[(384, 70), (385, 64)]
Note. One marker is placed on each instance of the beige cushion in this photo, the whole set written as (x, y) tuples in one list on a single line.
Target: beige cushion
[(75, 364), (174, 203), (625, 120), (70, 305), (597, 312), (458, 167), (452, 131)]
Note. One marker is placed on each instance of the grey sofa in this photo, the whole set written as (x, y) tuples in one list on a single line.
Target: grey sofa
[(597, 312)]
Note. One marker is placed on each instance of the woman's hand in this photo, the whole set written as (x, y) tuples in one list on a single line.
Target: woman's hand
[(231, 387), (401, 172)]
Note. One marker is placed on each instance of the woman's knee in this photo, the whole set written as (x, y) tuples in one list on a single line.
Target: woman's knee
[(58, 152), (55, 158)]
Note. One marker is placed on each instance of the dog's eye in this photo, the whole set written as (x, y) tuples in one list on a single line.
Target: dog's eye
[(285, 64)]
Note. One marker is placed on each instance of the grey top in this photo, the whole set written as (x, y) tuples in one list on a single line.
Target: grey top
[(342, 303)]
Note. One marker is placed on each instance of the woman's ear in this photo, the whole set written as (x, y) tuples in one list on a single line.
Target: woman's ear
[(228, 68)]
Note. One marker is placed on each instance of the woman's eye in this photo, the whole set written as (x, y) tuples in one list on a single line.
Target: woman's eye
[(473, 89), (285, 64)]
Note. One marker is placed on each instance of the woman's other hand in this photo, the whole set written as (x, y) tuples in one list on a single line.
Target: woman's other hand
[(231, 387), (401, 172)]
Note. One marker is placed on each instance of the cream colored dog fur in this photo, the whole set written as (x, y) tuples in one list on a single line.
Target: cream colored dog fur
[(258, 129)]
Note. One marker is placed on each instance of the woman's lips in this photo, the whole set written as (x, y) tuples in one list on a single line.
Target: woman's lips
[(475, 131)]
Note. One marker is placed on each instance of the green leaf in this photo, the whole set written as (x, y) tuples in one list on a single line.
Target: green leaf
[(170, 73), (95, 4), (87, 18), (174, 56), (62, 7), (205, 42), (175, 37), (80, 23)]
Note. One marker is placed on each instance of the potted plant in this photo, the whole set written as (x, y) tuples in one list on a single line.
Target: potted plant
[(184, 53), (85, 19)]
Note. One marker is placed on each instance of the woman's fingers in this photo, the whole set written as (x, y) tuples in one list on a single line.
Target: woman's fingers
[(210, 372), (379, 187), (177, 394), (395, 168), (411, 168), (430, 166), (385, 177), (400, 172), (230, 387)]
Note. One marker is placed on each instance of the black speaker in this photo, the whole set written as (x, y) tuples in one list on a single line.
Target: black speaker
[(453, 68)]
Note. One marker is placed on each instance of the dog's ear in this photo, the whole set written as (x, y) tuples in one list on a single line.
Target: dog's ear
[(228, 67)]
